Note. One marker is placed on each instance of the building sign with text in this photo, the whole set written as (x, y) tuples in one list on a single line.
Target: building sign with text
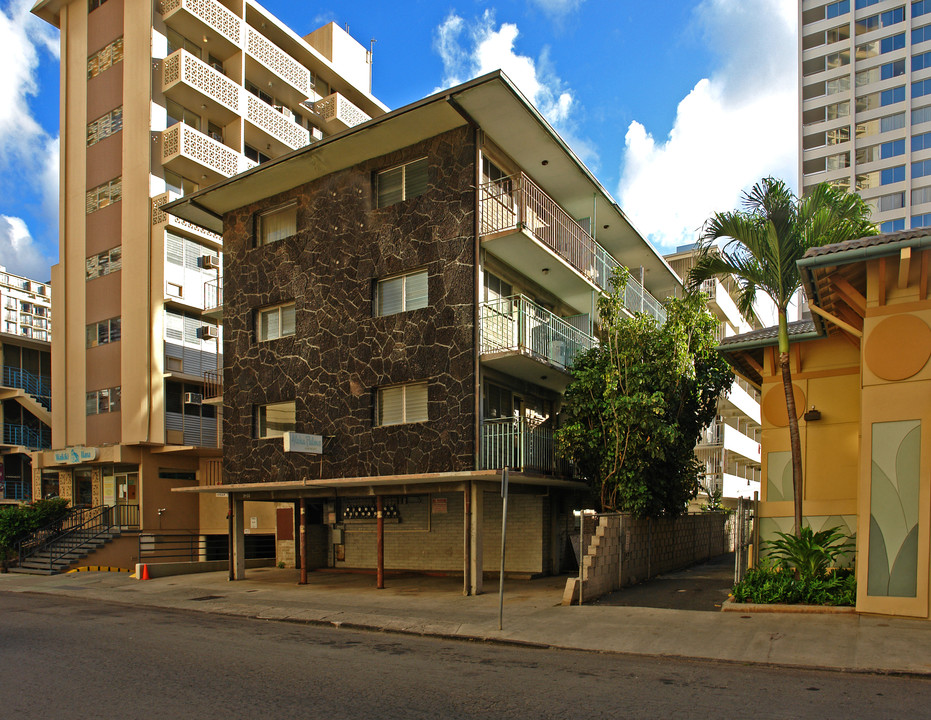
[(75, 455)]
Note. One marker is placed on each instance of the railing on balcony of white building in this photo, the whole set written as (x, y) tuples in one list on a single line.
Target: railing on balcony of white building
[(712, 435), (336, 107), (518, 324), (274, 122), (517, 202), (183, 66), (213, 294), (181, 140), (278, 61), (211, 13), (519, 444)]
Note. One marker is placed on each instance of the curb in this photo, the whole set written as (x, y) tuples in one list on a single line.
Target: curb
[(730, 606)]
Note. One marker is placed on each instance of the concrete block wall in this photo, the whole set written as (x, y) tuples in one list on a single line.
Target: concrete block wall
[(621, 550)]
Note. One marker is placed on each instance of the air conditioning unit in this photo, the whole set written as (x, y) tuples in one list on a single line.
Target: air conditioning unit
[(210, 262), (193, 398), (208, 332)]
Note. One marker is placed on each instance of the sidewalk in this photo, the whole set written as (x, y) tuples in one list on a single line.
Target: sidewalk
[(532, 615)]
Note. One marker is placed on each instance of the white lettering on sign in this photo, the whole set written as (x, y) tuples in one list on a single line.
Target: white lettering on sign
[(303, 443)]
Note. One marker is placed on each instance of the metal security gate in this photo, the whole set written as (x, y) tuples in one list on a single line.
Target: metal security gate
[(746, 536)]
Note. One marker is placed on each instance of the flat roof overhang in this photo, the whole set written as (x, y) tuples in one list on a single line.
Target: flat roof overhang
[(417, 483), (495, 105)]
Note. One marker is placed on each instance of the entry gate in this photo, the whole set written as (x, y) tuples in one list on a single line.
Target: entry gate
[(746, 536)]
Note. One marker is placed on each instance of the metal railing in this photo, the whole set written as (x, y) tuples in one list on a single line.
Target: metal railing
[(32, 438), (36, 385), (213, 383), (518, 323), (517, 444), (712, 435), (516, 202), (186, 547), (213, 294)]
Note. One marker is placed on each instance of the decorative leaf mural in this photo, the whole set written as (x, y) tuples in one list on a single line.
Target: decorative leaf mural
[(778, 476)]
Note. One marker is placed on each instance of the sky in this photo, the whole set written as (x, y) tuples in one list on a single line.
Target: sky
[(677, 106)]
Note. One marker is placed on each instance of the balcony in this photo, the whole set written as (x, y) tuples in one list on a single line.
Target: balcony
[(337, 111), (28, 437), (163, 219), (523, 226), (192, 154), (519, 445), (268, 65), (193, 83), (213, 298), (732, 440), (722, 304), (517, 336), (281, 129), (205, 18), (213, 387)]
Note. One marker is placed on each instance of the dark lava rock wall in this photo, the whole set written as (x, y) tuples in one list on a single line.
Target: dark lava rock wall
[(341, 353)]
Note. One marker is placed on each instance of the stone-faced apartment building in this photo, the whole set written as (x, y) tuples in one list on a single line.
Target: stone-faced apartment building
[(402, 303)]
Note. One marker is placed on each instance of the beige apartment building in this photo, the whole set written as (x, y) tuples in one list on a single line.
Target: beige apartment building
[(159, 99), (865, 104)]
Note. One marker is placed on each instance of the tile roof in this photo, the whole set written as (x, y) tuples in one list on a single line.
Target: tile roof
[(767, 335), (869, 241)]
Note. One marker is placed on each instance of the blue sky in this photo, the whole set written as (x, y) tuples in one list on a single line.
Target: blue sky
[(677, 105)]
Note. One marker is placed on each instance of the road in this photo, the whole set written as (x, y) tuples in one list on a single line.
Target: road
[(65, 658)]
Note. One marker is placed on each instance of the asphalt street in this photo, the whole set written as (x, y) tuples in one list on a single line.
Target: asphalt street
[(75, 658)]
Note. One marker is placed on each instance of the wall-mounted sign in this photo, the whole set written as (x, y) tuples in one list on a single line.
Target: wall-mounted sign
[(303, 443), (439, 506), (75, 455)]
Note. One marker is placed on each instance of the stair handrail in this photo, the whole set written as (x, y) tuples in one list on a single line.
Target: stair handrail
[(74, 516), (98, 519)]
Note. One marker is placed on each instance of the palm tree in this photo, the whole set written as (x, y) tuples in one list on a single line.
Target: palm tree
[(763, 242)]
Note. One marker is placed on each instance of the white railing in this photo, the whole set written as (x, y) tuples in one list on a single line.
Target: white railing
[(517, 444), (519, 324), (278, 61), (181, 66), (213, 294), (264, 116), (516, 202), (336, 107), (211, 13)]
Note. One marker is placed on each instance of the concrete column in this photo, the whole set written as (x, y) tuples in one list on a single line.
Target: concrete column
[(477, 536), (238, 538), (303, 542), (466, 539), (380, 543)]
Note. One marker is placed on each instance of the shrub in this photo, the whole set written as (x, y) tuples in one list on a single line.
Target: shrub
[(768, 584), (17, 521), (810, 554)]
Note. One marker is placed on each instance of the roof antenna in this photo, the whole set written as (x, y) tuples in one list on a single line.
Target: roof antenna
[(372, 49), (347, 28)]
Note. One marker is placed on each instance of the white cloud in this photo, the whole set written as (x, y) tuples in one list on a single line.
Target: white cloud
[(18, 252), (732, 129), (488, 46), (557, 7), (28, 154)]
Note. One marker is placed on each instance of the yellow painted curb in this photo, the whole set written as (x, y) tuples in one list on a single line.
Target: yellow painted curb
[(97, 568)]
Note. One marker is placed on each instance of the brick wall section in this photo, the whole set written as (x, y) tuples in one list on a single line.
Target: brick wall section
[(341, 352), (621, 550)]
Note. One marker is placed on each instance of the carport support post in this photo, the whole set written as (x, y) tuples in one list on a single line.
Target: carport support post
[(477, 533), (303, 541), (380, 521), (238, 556)]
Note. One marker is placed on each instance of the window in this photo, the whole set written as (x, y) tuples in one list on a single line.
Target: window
[(921, 34), (401, 404), (103, 332), (94, 4), (893, 175), (105, 126), (401, 183), (837, 135), (865, 3), (918, 8), (892, 149), (890, 44), (873, 22), (921, 115), (177, 41), (895, 95), (103, 195), (921, 196), (921, 88), (893, 69), (867, 154), (895, 201), (275, 419), (109, 261), (838, 85), (836, 9), (277, 224), (838, 161), (921, 168), (892, 122), (920, 62), (837, 59), (180, 114), (103, 401), (838, 110), (105, 58), (179, 185), (276, 322), (892, 225), (187, 253), (402, 293), (254, 155), (868, 102)]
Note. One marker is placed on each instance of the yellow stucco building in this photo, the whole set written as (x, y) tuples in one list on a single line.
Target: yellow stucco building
[(862, 381)]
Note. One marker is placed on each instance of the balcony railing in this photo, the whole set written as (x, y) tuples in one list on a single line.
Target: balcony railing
[(182, 67), (213, 294), (267, 118), (211, 13), (519, 324), (278, 61), (336, 107), (712, 435), (517, 444), (39, 387), (182, 141), (32, 438), (516, 202), (213, 384)]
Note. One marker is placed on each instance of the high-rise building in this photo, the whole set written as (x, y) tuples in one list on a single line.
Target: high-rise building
[(159, 99), (729, 448), (26, 305), (865, 104)]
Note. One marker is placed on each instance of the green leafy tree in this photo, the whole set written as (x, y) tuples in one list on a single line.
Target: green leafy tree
[(763, 242), (638, 402)]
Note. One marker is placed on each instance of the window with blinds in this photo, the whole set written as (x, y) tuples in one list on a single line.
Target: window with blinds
[(276, 322), (277, 224), (187, 252), (275, 419), (401, 293), (401, 404), (401, 183)]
